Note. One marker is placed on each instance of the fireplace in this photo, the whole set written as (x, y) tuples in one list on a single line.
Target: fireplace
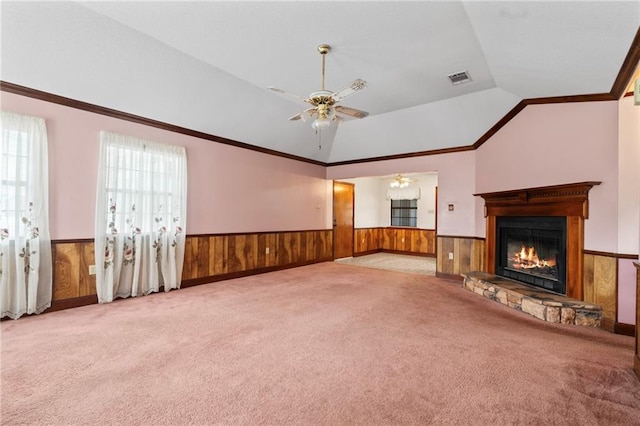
[(532, 249), (549, 223)]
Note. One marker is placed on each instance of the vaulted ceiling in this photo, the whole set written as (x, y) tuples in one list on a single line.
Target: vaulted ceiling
[(205, 65)]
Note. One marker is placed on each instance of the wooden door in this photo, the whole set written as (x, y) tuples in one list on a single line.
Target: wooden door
[(343, 195)]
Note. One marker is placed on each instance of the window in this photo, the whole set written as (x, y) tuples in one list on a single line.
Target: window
[(140, 185), (404, 213), (13, 196), (25, 245), (140, 216)]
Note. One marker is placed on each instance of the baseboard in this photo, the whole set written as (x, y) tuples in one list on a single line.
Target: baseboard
[(607, 324), (408, 253), (365, 253), (75, 302), (455, 277), (625, 329), (249, 272)]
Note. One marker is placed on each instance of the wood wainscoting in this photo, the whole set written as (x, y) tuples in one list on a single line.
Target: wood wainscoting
[(467, 253), (207, 258), (72, 284), (601, 283), (414, 241)]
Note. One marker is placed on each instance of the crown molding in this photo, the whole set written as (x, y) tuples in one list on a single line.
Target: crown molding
[(628, 68), (6, 86)]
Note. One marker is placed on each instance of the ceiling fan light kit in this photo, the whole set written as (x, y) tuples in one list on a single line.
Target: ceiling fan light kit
[(325, 111), (400, 182)]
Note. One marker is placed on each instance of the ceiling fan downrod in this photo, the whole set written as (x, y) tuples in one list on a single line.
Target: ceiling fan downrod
[(323, 49)]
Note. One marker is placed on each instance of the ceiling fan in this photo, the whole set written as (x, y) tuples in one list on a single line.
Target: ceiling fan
[(400, 181), (325, 111)]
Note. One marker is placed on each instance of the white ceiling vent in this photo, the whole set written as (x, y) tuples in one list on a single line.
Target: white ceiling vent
[(459, 77)]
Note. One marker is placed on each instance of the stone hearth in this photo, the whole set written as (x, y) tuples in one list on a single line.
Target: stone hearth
[(534, 301)]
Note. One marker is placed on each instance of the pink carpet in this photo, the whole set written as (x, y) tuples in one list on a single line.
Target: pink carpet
[(323, 344)]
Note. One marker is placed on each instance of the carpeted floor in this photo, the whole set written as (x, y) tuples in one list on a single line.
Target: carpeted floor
[(394, 262), (326, 344)]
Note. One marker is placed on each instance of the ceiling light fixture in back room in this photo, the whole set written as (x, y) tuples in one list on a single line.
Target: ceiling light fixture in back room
[(325, 111), (401, 182)]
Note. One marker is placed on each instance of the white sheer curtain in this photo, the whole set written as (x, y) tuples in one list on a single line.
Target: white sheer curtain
[(408, 193), (25, 244), (141, 211)]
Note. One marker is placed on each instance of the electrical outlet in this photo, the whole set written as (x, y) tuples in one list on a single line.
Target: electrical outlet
[(403, 240), (450, 256), (363, 241), (266, 251), (92, 269)]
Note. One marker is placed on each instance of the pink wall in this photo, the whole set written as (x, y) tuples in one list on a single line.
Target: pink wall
[(456, 185), (628, 205), (626, 291), (628, 176), (556, 144), (229, 189)]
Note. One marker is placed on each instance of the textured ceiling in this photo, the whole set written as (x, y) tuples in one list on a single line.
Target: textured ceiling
[(205, 65)]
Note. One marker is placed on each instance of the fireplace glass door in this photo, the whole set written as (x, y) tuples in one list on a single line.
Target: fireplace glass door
[(533, 250)]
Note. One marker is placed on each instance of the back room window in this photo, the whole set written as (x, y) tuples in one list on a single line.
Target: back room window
[(404, 213)]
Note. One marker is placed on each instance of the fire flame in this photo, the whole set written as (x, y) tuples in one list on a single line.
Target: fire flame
[(527, 258)]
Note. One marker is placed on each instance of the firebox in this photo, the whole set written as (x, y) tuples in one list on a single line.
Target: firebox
[(532, 249)]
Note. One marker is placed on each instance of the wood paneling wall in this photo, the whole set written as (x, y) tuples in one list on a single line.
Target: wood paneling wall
[(367, 240), (207, 258), (393, 239), (600, 285), (71, 277), (214, 255), (468, 255)]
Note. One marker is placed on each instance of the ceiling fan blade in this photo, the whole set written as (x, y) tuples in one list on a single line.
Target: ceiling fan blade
[(352, 112), (348, 90), (290, 95)]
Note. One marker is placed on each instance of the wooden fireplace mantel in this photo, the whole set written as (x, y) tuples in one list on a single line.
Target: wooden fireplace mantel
[(570, 200), (559, 200)]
